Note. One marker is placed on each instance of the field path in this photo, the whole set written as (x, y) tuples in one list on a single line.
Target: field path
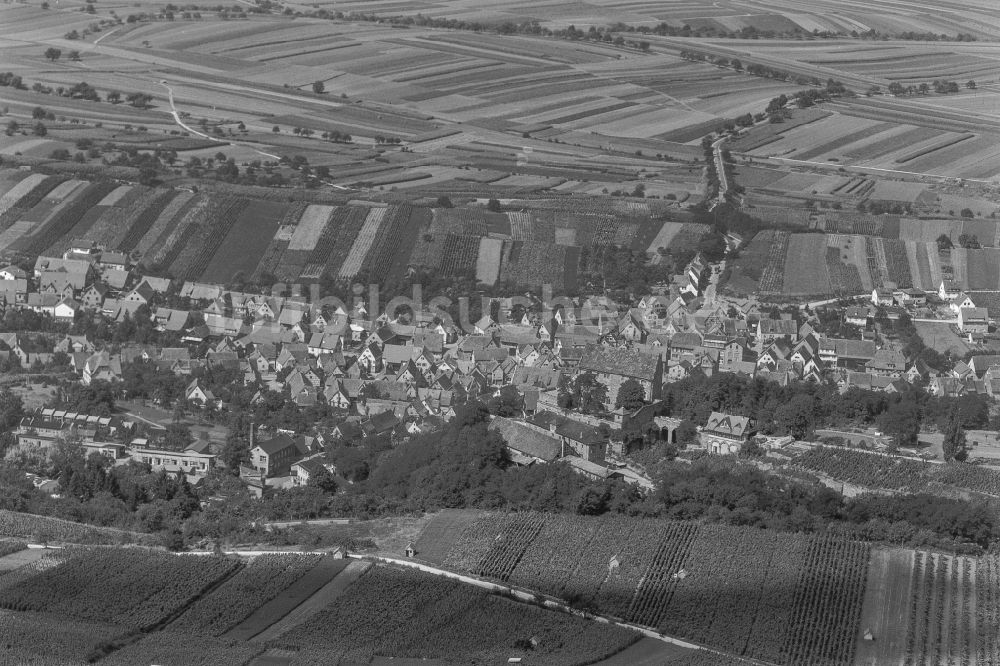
[(188, 128), (305, 610)]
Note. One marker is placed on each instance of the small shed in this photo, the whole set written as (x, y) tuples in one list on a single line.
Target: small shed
[(410, 550)]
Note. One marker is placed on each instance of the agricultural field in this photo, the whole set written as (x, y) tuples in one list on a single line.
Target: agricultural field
[(684, 579), (43, 529), (407, 613), (782, 265), (232, 239), (131, 588), (262, 579), (949, 609), (881, 472)]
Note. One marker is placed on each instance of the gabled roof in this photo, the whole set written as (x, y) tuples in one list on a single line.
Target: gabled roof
[(275, 444), (727, 424)]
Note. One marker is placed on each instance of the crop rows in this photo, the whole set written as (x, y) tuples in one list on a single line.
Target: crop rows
[(165, 254), (208, 236), (889, 473), (291, 265), (178, 239), (348, 222), (134, 588), (111, 230), (28, 200), (310, 227), (799, 602), (327, 240), (264, 578), (828, 603), (987, 608), (268, 263), (460, 255), (64, 220), (170, 648), (605, 231), (362, 244), (876, 262), (176, 207), (464, 221), (772, 280), (897, 263), (653, 592), (844, 278), (509, 547), (948, 592), (534, 263), (144, 221), (520, 226), (22, 189), (553, 555), (386, 244), (407, 613), (37, 638)]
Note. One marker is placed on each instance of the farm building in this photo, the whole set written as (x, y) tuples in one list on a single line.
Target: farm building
[(725, 433), (974, 321)]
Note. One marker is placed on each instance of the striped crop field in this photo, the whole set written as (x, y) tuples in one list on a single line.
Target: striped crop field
[(19, 191), (356, 256), (310, 227)]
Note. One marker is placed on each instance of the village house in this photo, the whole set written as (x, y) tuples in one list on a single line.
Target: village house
[(769, 330), (856, 315), (274, 457), (725, 433), (887, 363)]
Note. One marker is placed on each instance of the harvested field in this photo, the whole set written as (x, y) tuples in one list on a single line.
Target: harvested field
[(488, 262)]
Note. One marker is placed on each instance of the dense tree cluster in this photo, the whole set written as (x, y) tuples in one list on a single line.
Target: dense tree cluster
[(799, 408)]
